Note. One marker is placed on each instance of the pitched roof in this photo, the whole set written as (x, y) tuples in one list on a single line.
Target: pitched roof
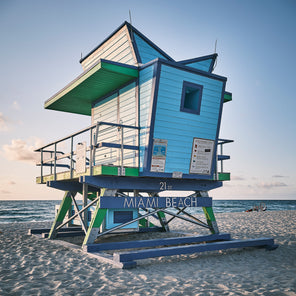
[(139, 46)]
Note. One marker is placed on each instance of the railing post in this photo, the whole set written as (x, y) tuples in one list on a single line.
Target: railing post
[(41, 160), (84, 195), (51, 164), (71, 159), (55, 162), (121, 150), (91, 152), (221, 152)]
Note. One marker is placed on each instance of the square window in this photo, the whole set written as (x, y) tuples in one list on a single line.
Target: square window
[(122, 216), (191, 97)]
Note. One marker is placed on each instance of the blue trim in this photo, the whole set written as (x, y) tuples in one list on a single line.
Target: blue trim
[(149, 184), (196, 87), (195, 248), (185, 68), (156, 202), (134, 43), (155, 242), (114, 145), (213, 57), (223, 157), (148, 152), (212, 64), (199, 59)]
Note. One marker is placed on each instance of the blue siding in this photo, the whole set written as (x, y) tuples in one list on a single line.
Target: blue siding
[(145, 93), (146, 51), (179, 128), (202, 65)]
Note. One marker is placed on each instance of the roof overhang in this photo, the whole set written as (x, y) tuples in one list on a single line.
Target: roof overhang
[(103, 78)]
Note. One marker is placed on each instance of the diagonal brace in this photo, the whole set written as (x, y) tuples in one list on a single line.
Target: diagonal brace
[(76, 214), (183, 218)]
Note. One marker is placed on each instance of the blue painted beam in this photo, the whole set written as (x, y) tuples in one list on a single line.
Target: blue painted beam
[(44, 230), (178, 250), (149, 184), (65, 234), (113, 145), (135, 202), (155, 242), (72, 186), (223, 157)]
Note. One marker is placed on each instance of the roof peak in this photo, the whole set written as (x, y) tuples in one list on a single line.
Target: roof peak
[(131, 31)]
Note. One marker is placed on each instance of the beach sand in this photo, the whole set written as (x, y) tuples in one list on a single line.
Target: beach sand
[(33, 266)]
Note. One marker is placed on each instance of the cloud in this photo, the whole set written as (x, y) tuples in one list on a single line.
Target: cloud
[(3, 122), (21, 150), (271, 185), (16, 105), (279, 176), (237, 178)]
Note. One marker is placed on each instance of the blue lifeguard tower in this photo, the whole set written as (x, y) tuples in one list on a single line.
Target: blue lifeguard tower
[(154, 132)]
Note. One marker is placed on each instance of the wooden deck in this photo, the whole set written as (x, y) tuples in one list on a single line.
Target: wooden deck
[(97, 170)]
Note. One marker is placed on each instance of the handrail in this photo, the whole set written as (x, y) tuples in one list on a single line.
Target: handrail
[(221, 142), (224, 141), (86, 129), (93, 131)]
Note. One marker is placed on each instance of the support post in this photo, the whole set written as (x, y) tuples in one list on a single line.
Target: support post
[(71, 159), (209, 213), (64, 207), (97, 219), (84, 195)]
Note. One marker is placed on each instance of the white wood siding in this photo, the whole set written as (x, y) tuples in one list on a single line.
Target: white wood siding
[(117, 48), (117, 108)]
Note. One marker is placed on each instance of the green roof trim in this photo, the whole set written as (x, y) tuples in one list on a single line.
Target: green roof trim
[(103, 78), (227, 97)]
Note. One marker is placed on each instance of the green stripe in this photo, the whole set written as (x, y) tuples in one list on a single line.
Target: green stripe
[(63, 209), (227, 97)]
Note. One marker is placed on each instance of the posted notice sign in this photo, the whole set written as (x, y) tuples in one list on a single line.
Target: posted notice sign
[(81, 158), (159, 155), (201, 156)]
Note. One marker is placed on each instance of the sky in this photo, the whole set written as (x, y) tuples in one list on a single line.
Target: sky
[(42, 42)]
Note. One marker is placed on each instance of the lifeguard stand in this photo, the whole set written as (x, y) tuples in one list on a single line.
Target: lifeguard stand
[(154, 128)]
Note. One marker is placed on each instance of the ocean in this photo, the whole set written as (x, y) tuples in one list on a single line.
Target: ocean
[(44, 210)]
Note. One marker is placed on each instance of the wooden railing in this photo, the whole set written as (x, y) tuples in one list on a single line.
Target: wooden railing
[(55, 155)]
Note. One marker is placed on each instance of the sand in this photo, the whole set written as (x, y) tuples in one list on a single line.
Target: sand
[(33, 266)]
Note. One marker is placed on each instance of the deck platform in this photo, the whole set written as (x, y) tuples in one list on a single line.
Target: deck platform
[(127, 253)]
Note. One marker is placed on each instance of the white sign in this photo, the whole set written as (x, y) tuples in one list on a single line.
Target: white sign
[(177, 175), (201, 156), (159, 155), (81, 158)]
